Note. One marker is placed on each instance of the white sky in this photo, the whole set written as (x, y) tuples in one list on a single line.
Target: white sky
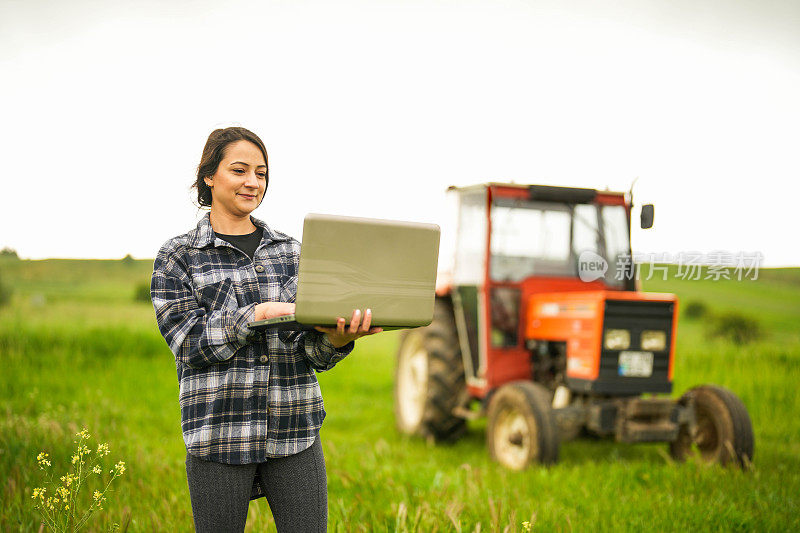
[(373, 108)]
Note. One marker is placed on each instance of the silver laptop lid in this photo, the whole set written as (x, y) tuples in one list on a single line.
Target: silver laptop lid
[(351, 263)]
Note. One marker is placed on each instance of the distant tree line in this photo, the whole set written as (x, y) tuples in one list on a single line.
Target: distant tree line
[(5, 292), (9, 253)]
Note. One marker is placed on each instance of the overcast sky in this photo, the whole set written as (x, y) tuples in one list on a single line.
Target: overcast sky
[(373, 108)]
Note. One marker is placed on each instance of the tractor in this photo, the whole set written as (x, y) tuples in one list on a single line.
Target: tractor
[(542, 328)]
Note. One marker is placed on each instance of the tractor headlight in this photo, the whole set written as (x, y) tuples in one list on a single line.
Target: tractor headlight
[(654, 341), (617, 339)]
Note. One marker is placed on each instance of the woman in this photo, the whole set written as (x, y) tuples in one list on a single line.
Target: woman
[(251, 406)]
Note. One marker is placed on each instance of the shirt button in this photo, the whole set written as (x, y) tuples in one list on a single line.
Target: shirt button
[(263, 358), (259, 268)]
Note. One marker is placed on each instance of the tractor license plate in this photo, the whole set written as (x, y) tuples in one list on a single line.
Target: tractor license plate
[(636, 364)]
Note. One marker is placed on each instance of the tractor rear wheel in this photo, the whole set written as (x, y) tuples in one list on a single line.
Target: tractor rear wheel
[(723, 432), (522, 428), (429, 379)]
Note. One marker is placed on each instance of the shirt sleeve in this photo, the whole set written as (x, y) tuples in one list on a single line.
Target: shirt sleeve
[(320, 353), (196, 336)]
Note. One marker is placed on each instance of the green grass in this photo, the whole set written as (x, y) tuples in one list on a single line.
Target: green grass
[(76, 350)]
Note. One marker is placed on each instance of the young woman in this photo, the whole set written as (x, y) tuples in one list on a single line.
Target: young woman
[(251, 406)]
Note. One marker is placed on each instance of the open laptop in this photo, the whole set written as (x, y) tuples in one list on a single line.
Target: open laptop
[(349, 263)]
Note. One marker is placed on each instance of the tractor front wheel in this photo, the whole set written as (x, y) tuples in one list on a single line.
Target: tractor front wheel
[(722, 433), (522, 429), (429, 380)]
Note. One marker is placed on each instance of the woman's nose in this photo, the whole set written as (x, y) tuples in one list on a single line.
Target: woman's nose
[(252, 180)]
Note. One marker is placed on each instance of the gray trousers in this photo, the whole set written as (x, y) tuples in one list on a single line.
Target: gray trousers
[(295, 486)]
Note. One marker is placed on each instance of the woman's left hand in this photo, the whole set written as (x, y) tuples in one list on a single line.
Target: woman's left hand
[(339, 336)]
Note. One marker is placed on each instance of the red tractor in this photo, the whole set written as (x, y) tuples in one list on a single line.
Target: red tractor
[(541, 328)]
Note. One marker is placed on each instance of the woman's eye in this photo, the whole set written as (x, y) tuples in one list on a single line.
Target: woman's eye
[(238, 170), (262, 175)]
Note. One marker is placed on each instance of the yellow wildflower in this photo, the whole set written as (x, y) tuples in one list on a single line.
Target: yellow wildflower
[(526, 525), (102, 449), (38, 492), (43, 460), (120, 468), (97, 494), (97, 469), (75, 459), (84, 434)]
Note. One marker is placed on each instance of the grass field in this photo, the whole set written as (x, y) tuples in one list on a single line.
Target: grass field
[(77, 350)]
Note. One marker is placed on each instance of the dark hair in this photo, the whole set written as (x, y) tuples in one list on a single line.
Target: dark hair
[(214, 151)]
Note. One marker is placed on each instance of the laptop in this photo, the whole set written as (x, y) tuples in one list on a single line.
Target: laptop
[(348, 263)]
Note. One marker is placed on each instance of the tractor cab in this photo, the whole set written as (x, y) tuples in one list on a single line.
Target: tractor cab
[(542, 328), (543, 233)]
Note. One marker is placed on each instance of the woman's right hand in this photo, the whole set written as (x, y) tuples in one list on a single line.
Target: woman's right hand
[(269, 310)]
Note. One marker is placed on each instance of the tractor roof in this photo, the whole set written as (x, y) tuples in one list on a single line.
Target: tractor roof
[(544, 192)]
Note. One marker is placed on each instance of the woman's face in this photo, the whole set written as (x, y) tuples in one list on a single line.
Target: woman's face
[(240, 181)]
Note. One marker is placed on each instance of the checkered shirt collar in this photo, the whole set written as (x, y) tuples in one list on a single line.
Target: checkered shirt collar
[(203, 234)]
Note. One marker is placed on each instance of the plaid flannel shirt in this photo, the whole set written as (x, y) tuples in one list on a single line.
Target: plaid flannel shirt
[(244, 396)]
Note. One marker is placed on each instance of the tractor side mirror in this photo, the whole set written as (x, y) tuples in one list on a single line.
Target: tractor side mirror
[(647, 216)]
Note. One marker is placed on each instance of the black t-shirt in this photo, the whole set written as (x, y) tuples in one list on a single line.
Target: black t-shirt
[(246, 243)]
